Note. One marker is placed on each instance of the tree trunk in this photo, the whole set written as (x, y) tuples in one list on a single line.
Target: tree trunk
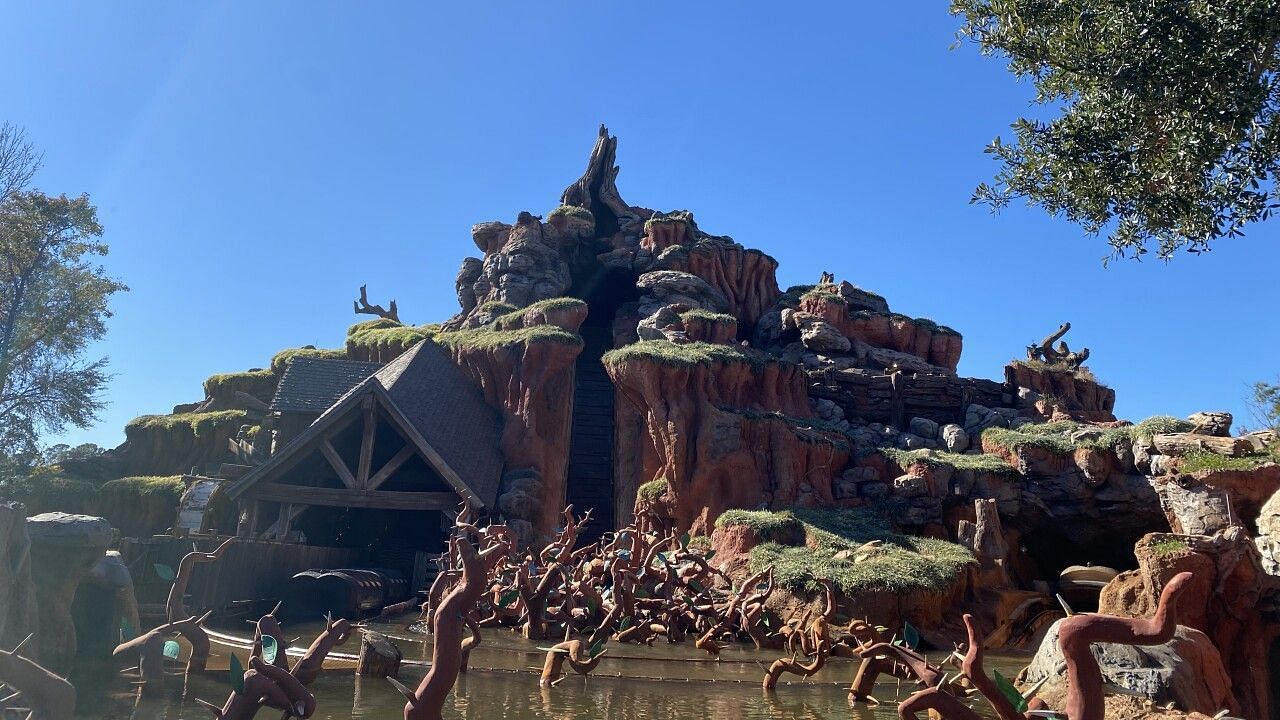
[(379, 657)]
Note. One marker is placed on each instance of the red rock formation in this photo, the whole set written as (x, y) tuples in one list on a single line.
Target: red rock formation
[(1221, 599), (896, 332), (1078, 397), (748, 278), (528, 378), (725, 433)]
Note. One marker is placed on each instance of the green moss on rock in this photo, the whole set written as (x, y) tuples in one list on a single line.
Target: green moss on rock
[(487, 338), (571, 211), (955, 461), (517, 318), (708, 316), (258, 383), (684, 354), (197, 423), (281, 360), (383, 333), (902, 563)]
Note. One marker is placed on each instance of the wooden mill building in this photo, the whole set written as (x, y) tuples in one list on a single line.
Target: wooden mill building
[(384, 466)]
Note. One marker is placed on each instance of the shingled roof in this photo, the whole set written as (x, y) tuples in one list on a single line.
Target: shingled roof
[(435, 405), (314, 384)]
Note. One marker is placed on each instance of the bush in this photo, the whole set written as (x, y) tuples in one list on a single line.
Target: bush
[(652, 490), (45, 490)]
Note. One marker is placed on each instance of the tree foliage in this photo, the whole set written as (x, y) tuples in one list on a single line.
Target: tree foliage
[(53, 304), (1166, 134), (1264, 404)]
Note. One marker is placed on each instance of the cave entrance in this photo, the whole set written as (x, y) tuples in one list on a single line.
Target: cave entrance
[(590, 479)]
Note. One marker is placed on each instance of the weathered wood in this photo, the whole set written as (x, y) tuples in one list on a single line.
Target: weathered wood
[(335, 461), (392, 465), (379, 657), (366, 445), (336, 497), (1179, 444)]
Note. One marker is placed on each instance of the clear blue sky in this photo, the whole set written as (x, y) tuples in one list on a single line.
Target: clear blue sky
[(254, 163)]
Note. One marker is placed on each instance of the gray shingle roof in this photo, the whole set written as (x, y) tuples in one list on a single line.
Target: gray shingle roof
[(444, 412), (449, 412), (313, 384)]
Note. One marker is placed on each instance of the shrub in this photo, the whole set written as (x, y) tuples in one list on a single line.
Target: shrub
[(652, 490)]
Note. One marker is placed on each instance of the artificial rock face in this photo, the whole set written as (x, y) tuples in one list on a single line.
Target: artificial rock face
[(63, 549)]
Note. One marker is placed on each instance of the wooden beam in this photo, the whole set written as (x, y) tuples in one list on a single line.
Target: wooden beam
[(392, 465), (335, 497), (340, 467), (366, 445)]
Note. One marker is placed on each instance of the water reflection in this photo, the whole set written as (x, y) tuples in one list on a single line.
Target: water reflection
[(516, 696), (661, 682)]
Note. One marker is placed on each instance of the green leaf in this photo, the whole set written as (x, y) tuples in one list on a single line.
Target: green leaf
[(695, 586), (269, 649), (508, 597), (1010, 692), (684, 541), (642, 593), (596, 649), (127, 632), (236, 671), (710, 554), (171, 649), (910, 635), (165, 572), (626, 623)]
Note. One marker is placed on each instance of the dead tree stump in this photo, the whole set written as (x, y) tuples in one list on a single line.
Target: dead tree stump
[(379, 657)]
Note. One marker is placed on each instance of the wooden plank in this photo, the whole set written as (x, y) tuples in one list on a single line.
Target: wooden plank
[(335, 461), (392, 465), (366, 445), (373, 499)]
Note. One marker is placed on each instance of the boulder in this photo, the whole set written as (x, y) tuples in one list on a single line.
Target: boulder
[(910, 486), (670, 287), (1213, 423), (1187, 670), (63, 549), (954, 438), (924, 427), (663, 324), (821, 336)]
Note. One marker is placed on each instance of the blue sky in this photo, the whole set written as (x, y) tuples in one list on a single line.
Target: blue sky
[(255, 163)]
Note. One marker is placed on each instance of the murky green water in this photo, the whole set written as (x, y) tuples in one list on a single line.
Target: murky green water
[(633, 683)]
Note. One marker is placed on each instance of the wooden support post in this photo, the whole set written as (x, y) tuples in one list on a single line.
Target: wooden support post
[(379, 657), (366, 444), (392, 465), (335, 461), (248, 520)]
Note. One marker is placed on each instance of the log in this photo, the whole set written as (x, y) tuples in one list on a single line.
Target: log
[(379, 657), (1179, 444)]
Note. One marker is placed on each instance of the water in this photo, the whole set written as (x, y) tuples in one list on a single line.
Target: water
[(633, 683)]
